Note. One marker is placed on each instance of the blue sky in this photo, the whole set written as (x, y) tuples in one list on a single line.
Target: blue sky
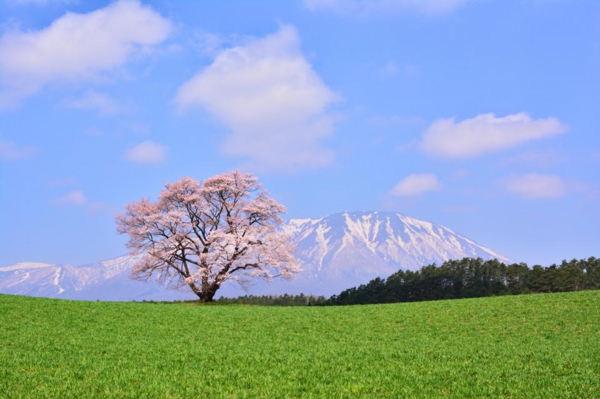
[(478, 115)]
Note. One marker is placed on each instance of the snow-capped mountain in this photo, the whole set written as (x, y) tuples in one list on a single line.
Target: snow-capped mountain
[(345, 249), (338, 251), (108, 280)]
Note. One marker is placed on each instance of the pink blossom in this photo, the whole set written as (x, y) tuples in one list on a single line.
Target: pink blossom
[(202, 234)]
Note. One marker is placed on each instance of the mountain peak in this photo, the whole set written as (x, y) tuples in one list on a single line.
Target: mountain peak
[(345, 249)]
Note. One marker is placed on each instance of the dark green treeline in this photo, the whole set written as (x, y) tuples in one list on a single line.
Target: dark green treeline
[(276, 300), (472, 278), (454, 279)]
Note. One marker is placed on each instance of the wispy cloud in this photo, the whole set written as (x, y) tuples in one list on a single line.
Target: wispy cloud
[(76, 198), (485, 133), (416, 184), (390, 68), (536, 159), (211, 44), (96, 101), (430, 7), (11, 151), (536, 185), (77, 47), (147, 152), (405, 71), (270, 97)]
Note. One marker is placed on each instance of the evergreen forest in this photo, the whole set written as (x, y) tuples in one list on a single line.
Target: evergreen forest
[(454, 279)]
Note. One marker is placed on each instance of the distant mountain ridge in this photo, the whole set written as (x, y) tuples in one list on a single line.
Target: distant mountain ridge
[(337, 252), (108, 280)]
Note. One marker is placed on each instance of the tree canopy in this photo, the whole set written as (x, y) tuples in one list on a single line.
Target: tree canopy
[(202, 234)]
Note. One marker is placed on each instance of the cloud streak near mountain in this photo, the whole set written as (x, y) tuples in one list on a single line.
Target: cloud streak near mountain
[(416, 184)]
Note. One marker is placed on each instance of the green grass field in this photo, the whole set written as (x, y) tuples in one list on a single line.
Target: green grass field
[(521, 346)]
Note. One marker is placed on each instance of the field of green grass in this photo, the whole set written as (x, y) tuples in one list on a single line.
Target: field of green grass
[(519, 346)]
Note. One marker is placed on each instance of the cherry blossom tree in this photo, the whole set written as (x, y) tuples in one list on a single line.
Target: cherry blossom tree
[(202, 234)]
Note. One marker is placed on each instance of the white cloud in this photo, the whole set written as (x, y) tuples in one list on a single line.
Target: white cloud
[(386, 6), (76, 198), (485, 133), (272, 100), (77, 47), (103, 208), (11, 151), (147, 152), (416, 184), (535, 185), (101, 102)]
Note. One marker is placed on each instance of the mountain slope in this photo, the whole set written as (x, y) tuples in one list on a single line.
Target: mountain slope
[(347, 249), (108, 280), (337, 252)]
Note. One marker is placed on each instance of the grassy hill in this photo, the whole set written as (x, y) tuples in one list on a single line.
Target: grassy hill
[(518, 346)]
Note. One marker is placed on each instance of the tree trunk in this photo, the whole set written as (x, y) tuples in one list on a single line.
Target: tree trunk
[(210, 291), (207, 298), (207, 293), (198, 292)]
